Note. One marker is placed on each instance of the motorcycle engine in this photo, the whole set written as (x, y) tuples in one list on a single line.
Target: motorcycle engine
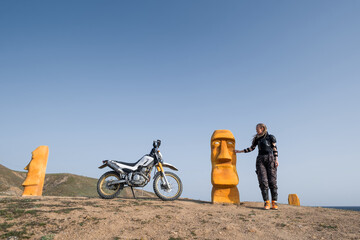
[(137, 179)]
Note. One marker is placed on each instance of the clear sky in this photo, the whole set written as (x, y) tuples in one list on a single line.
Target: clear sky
[(98, 80)]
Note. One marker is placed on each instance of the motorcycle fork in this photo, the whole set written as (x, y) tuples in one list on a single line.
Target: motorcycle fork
[(160, 169)]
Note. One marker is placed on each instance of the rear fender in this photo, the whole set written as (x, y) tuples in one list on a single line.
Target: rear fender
[(102, 166)]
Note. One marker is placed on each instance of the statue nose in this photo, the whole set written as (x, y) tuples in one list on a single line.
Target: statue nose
[(224, 152)]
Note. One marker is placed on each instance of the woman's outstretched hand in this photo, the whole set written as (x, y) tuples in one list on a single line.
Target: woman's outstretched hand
[(276, 162), (238, 151)]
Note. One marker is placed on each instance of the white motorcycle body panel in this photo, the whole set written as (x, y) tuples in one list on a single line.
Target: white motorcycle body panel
[(144, 161)]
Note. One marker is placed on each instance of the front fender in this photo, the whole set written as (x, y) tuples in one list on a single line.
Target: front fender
[(168, 165)]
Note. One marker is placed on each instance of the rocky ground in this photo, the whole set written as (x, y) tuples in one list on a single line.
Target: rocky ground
[(48, 218)]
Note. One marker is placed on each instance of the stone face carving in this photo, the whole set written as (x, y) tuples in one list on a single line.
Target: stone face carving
[(224, 177), (34, 182), (293, 199)]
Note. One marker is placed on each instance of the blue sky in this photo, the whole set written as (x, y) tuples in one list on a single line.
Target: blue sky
[(98, 80)]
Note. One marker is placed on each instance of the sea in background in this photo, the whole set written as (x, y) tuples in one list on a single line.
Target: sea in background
[(344, 208)]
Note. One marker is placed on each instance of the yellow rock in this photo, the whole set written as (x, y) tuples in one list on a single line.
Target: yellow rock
[(293, 199), (34, 182), (224, 177)]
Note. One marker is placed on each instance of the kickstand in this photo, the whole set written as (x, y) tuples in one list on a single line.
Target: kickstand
[(133, 192)]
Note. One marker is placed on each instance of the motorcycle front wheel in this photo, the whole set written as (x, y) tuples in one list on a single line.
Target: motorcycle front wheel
[(162, 191), (104, 187)]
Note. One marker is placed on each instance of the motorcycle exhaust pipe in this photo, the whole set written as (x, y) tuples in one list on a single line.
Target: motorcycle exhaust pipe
[(117, 182)]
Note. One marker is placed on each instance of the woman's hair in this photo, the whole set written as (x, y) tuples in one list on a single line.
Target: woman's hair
[(263, 126)]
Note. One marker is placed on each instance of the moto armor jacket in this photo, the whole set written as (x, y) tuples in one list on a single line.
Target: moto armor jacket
[(266, 145)]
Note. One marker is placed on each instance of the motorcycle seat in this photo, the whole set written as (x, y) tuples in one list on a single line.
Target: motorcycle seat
[(128, 164)]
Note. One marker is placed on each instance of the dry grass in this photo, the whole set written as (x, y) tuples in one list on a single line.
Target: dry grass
[(49, 218)]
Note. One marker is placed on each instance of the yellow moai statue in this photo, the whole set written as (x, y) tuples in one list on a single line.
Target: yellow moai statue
[(34, 182), (293, 199), (224, 177)]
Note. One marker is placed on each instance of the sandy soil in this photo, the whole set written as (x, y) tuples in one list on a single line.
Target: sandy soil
[(48, 218)]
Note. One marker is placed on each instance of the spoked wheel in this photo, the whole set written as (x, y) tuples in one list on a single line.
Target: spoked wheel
[(104, 187), (161, 190)]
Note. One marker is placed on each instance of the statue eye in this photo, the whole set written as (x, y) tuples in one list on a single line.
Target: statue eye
[(230, 143), (216, 143)]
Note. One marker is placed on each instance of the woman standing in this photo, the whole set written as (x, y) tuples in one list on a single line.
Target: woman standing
[(266, 164)]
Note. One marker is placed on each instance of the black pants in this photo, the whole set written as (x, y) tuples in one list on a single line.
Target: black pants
[(267, 176)]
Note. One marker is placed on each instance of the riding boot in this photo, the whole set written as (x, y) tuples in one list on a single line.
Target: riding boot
[(274, 194), (265, 194)]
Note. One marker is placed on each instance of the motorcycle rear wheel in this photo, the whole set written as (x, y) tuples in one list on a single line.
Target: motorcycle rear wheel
[(168, 194), (107, 191)]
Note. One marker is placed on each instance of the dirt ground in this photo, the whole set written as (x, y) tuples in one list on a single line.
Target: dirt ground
[(49, 218)]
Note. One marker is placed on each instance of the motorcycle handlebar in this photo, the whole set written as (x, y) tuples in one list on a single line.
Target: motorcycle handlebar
[(156, 143)]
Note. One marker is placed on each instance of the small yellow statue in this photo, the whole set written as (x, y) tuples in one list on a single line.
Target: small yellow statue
[(34, 182), (293, 199), (224, 177)]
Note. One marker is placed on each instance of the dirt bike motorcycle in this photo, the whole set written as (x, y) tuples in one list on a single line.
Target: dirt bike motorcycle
[(167, 185)]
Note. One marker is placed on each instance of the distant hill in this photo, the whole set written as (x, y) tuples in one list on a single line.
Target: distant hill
[(10, 181), (58, 184)]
